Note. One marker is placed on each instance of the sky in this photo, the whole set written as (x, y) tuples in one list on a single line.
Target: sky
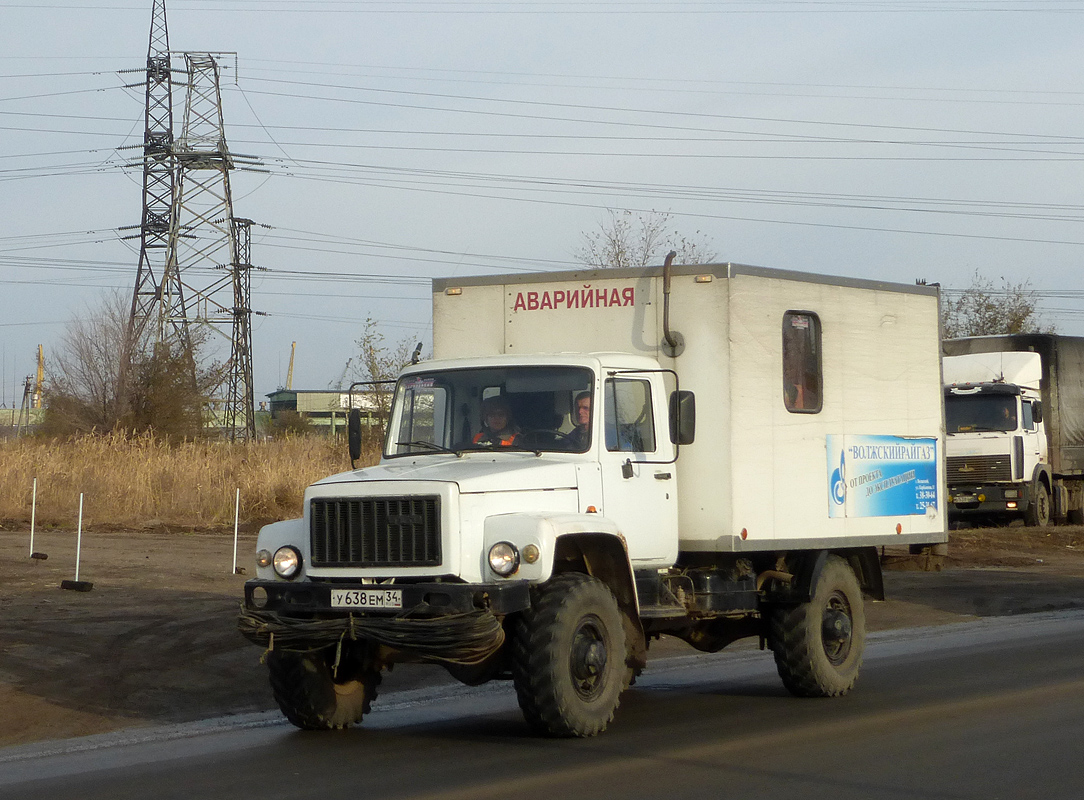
[(401, 141)]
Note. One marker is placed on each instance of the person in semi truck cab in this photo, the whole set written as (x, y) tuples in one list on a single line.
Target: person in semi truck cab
[(498, 427)]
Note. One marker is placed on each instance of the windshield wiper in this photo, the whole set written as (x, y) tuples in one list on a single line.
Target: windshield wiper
[(431, 446), (494, 448)]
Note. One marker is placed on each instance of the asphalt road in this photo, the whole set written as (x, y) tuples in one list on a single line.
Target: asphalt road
[(986, 709)]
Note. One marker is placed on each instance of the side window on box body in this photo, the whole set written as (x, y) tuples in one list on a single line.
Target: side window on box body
[(802, 378), (629, 417)]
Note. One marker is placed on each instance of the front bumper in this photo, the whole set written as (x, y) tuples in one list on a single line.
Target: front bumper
[(989, 500), (419, 599), (445, 623)]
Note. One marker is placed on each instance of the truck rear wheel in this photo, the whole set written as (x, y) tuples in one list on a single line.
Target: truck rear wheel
[(313, 697), (1038, 513), (818, 645), (568, 657)]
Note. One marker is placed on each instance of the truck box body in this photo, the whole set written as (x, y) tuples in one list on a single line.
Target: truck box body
[(864, 468), (1061, 388)]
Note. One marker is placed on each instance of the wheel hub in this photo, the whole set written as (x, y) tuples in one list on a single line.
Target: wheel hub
[(587, 660), (836, 629)]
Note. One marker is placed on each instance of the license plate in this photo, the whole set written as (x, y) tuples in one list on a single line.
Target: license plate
[(965, 498), (366, 598)]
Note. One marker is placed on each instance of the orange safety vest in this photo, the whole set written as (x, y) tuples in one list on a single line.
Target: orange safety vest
[(505, 441)]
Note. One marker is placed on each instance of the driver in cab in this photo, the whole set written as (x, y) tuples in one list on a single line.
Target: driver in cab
[(498, 427)]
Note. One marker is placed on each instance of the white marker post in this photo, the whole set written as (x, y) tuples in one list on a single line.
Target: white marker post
[(33, 513), (33, 522), (78, 585), (236, 518)]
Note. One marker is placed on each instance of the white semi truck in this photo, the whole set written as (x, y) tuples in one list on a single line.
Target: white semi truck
[(1014, 408), (751, 438)]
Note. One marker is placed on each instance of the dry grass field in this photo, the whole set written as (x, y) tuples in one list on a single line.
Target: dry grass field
[(145, 483)]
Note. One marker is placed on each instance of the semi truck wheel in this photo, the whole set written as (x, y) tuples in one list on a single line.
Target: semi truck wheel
[(1038, 513), (312, 697), (568, 657), (818, 645)]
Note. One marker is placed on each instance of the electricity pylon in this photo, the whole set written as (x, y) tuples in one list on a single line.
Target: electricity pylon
[(158, 299), (239, 418), (194, 259), (213, 246)]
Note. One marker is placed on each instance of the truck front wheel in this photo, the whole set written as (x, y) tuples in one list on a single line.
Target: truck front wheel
[(568, 657), (314, 696), (818, 645), (1038, 512)]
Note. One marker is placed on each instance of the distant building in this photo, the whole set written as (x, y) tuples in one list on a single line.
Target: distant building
[(328, 408)]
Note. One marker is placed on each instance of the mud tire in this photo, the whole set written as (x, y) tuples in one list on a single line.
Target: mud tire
[(818, 645), (569, 660), (312, 698)]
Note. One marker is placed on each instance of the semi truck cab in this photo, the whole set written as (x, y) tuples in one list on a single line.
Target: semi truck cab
[(997, 465)]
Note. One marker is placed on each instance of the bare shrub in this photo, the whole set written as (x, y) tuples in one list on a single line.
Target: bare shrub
[(982, 309), (627, 239)]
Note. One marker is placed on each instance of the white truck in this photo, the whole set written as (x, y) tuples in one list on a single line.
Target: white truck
[(752, 437), (1014, 409)]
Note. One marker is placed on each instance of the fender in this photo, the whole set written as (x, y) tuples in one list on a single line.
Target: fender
[(1041, 474), (543, 531), (807, 567), (274, 536), (573, 542)]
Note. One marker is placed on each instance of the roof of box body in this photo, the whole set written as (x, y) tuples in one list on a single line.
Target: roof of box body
[(722, 271)]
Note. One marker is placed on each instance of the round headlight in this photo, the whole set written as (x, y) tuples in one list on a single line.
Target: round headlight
[(287, 562), (503, 559), (263, 558)]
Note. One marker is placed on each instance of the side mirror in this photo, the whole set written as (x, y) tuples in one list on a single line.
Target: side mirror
[(682, 417), (1037, 411), (353, 434)]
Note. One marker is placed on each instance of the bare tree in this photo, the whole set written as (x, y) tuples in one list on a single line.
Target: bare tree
[(164, 391), (985, 310), (83, 392), (378, 361), (636, 239)]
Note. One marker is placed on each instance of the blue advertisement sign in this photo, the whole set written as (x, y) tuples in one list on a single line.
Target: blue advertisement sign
[(881, 476)]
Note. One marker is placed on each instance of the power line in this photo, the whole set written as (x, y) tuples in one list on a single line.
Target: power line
[(588, 7), (603, 108)]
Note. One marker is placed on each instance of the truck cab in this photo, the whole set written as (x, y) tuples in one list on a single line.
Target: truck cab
[(997, 460)]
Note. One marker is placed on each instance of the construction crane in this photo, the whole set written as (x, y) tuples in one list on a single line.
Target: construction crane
[(290, 371), (342, 378), (39, 384)]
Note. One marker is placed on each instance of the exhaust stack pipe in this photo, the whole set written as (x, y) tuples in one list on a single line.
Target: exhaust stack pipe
[(673, 343)]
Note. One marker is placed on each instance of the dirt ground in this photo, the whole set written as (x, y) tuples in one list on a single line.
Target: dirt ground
[(154, 640)]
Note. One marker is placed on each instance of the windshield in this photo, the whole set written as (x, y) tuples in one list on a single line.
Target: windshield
[(980, 412), (513, 408)]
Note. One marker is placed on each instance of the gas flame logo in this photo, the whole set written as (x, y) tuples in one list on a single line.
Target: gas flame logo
[(839, 483)]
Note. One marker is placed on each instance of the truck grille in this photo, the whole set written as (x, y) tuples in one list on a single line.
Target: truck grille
[(375, 532), (978, 469)]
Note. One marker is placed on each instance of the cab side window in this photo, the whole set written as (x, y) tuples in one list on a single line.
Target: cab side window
[(802, 378), (1028, 417), (629, 418)]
